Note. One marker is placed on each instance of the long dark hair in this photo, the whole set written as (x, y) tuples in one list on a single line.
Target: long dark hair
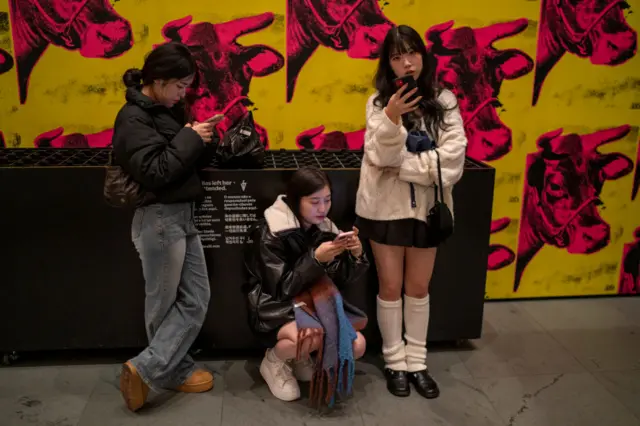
[(400, 40), (304, 182), (167, 61)]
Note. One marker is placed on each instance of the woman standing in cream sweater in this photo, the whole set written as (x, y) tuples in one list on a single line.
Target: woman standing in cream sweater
[(396, 193)]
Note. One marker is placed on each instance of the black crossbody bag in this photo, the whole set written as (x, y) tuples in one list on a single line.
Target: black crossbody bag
[(439, 218)]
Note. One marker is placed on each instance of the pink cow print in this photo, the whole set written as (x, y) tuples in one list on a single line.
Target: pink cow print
[(314, 139), (630, 267), (6, 61), (471, 67), (636, 177), (357, 26), (226, 67), (500, 256), (594, 29), (564, 179), (56, 139), (91, 26)]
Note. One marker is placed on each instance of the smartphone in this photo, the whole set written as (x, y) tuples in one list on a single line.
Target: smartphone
[(215, 118), (343, 236), (411, 84)]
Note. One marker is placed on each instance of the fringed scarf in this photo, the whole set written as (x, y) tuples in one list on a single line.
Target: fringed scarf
[(319, 312)]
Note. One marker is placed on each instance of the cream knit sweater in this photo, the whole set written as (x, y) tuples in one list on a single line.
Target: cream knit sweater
[(388, 168)]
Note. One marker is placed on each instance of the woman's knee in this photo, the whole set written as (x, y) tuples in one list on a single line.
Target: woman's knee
[(390, 293), (310, 344), (359, 346), (289, 331), (288, 341), (417, 291), (418, 288)]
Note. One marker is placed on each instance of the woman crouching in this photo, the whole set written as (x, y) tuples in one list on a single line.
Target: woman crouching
[(295, 265)]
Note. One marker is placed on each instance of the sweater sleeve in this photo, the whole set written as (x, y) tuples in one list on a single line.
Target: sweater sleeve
[(415, 168), (422, 168), (384, 140)]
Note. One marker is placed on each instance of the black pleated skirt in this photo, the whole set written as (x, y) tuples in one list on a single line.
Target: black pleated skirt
[(401, 232)]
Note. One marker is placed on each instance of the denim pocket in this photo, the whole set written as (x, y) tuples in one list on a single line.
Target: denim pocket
[(137, 223)]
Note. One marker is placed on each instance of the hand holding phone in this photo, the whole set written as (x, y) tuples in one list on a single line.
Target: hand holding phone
[(343, 237), (351, 242), (407, 80), (205, 130), (404, 100), (327, 251)]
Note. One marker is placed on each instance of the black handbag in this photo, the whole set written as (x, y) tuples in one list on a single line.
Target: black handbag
[(241, 147), (120, 190), (439, 218)]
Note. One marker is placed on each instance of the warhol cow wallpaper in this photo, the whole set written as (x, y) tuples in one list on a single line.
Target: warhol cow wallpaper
[(549, 91)]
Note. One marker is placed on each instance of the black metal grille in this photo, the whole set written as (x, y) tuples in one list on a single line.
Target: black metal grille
[(51, 157), (295, 159), (282, 159)]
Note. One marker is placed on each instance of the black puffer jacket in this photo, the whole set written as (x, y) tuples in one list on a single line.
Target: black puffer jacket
[(280, 264), (151, 143)]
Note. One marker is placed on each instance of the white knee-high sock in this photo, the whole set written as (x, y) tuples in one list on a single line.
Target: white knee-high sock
[(416, 323), (390, 323)]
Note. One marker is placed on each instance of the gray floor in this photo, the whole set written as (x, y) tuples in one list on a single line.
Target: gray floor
[(545, 363)]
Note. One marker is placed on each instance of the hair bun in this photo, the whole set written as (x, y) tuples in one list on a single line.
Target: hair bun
[(132, 77)]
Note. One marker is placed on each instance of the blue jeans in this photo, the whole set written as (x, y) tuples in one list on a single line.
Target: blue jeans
[(177, 291)]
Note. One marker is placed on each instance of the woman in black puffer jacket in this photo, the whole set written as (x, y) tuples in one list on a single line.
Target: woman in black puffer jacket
[(155, 144)]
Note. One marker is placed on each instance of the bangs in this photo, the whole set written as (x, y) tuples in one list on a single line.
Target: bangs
[(402, 44)]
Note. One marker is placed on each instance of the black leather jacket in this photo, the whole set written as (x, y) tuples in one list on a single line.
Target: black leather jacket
[(280, 264)]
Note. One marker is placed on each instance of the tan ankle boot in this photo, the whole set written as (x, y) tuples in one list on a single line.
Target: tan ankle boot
[(134, 390), (199, 381)]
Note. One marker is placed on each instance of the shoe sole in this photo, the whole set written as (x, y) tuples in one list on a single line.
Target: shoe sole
[(400, 394), (264, 372), (132, 388), (196, 388), (427, 396)]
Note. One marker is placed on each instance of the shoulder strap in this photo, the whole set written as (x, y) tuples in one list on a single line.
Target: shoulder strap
[(439, 179)]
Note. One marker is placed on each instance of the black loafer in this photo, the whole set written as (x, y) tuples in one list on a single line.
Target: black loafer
[(424, 383), (397, 382)]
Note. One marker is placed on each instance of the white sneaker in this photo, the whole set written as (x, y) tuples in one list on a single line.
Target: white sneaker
[(303, 370), (279, 377)]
